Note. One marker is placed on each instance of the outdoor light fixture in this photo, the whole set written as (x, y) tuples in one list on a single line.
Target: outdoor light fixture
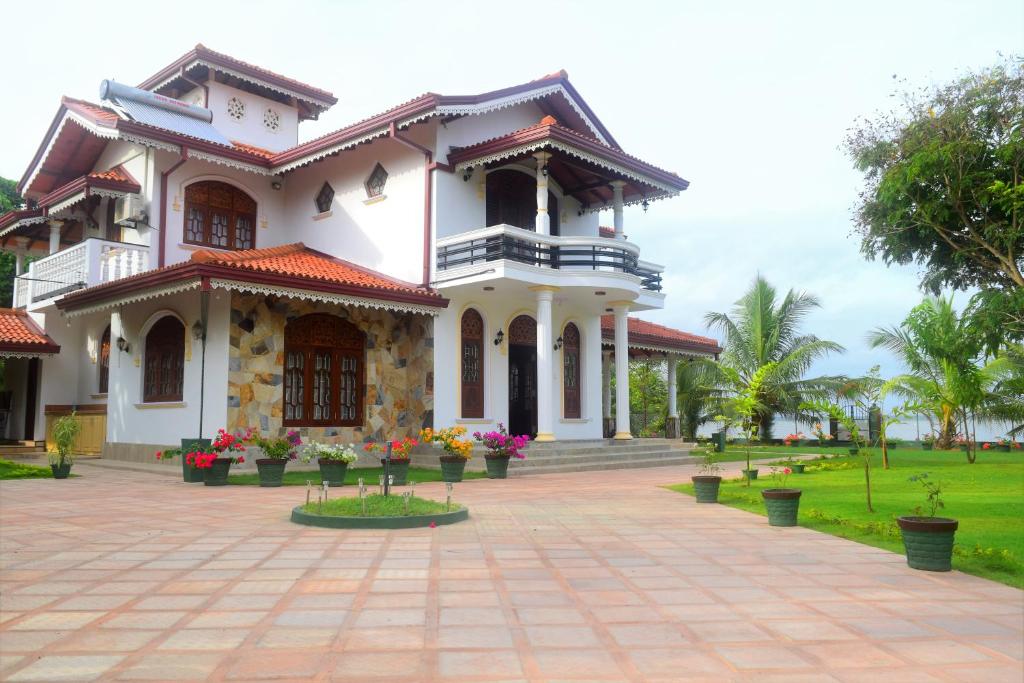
[(544, 170), (123, 345), (558, 343), (276, 184), (645, 204), (600, 292), (498, 338), (197, 330), (467, 174), (488, 288)]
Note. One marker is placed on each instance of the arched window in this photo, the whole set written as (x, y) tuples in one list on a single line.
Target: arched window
[(571, 371), (472, 364), (324, 372), (512, 200), (219, 215), (165, 361), (103, 361)]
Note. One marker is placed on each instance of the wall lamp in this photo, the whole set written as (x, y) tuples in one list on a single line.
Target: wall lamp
[(276, 184), (544, 170), (498, 338), (558, 343), (197, 330), (467, 174), (123, 345)]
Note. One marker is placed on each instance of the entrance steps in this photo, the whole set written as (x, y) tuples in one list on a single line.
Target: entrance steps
[(603, 454), (22, 450)]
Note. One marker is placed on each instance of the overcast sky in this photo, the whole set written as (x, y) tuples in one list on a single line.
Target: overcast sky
[(749, 101)]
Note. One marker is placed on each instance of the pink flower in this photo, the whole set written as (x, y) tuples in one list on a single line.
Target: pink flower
[(787, 471), (433, 525)]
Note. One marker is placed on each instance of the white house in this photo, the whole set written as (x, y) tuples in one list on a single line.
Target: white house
[(439, 263)]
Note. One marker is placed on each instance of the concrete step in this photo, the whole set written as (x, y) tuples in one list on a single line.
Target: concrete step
[(603, 465), (549, 458), (22, 452)]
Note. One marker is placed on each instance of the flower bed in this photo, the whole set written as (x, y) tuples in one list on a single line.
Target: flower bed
[(380, 513)]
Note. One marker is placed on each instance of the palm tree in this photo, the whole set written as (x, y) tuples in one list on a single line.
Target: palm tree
[(762, 330), (696, 398)]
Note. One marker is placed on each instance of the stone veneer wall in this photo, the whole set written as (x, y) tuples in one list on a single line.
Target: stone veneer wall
[(399, 382)]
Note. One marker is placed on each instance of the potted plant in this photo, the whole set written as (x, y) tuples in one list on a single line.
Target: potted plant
[(457, 451), (927, 442), (707, 483), (65, 431), (794, 466), (793, 440), (276, 454), (216, 460), (501, 447), (399, 467), (823, 437), (928, 539), (1003, 444), (190, 474), (332, 459), (781, 503), (963, 443)]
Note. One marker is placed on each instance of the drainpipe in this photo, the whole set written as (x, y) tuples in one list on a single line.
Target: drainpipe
[(428, 177), (163, 205)]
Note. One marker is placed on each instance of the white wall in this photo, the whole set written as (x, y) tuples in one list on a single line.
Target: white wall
[(251, 129), (131, 421), (385, 234), (497, 313)]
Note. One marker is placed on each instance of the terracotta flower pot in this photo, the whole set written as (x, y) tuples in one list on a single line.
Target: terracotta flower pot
[(452, 468), (271, 471), (333, 471), (497, 466), (929, 542), (782, 506), (399, 471), (706, 487)]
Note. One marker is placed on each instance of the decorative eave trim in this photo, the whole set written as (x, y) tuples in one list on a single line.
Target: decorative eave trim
[(323, 297), (149, 142), (518, 98), (28, 354), (658, 348), (82, 122), (328, 151), (67, 203), (134, 297), (22, 223), (230, 163), (665, 189)]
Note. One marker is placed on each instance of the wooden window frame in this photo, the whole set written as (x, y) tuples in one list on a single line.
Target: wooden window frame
[(103, 362), (160, 344), (323, 333), (572, 397), (373, 189), (471, 336), (240, 210)]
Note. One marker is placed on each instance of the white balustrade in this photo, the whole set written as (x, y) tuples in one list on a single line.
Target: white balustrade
[(86, 264)]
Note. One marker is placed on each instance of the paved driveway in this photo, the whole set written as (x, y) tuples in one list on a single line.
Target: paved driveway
[(121, 575)]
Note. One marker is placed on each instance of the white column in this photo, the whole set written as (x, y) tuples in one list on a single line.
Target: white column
[(606, 384), (543, 220), (617, 186), (55, 236), (672, 363), (621, 370), (19, 262), (545, 357)]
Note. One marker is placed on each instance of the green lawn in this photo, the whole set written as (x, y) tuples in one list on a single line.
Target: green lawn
[(370, 476), (378, 506), (17, 470), (986, 497)]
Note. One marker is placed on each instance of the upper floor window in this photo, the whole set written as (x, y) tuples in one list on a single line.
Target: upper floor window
[(324, 198), (375, 183), (103, 361), (324, 372), (512, 200), (219, 215), (164, 361)]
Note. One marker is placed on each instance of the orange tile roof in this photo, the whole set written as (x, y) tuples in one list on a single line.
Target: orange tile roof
[(253, 149), (91, 111), (642, 331), (20, 335), (117, 173)]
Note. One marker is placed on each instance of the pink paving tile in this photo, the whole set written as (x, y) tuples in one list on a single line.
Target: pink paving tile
[(488, 664), (763, 657), (361, 666), (576, 663), (561, 636), (390, 638), (936, 651), (728, 631), (276, 665), (677, 664), (172, 667)]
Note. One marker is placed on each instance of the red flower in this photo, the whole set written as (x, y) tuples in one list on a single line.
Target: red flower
[(433, 525), (787, 471), (985, 447), (159, 455), (241, 459)]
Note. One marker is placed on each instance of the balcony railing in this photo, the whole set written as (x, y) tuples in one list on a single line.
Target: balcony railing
[(505, 242), (88, 263)]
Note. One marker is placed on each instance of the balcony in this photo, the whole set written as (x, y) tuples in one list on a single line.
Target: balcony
[(88, 263), (470, 252)]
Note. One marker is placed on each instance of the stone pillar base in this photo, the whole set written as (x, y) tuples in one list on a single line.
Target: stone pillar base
[(622, 436), (672, 428), (544, 436)]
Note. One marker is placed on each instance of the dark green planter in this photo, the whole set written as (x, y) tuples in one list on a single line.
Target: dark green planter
[(399, 471), (271, 471), (61, 471), (217, 473), (926, 445), (189, 474), (332, 471), (706, 488), (929, 542), (452, 468), (823, 444), (750, 474), (854, 451), (497, 466), (1003, 449), (798, 468), (782, 506)]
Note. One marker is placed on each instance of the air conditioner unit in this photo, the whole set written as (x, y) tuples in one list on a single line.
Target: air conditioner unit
[(130, 211)]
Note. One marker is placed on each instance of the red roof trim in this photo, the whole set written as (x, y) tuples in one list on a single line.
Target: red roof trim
[(542, 132), (94, 180), (241, 266), (15, 215), (20, 334), (645, 332), (201, 52)]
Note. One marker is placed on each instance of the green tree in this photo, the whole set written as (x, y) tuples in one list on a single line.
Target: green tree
[(745, 408), (763, 330), (648, 396), (9, 199), (943, 181), (696, 399)]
